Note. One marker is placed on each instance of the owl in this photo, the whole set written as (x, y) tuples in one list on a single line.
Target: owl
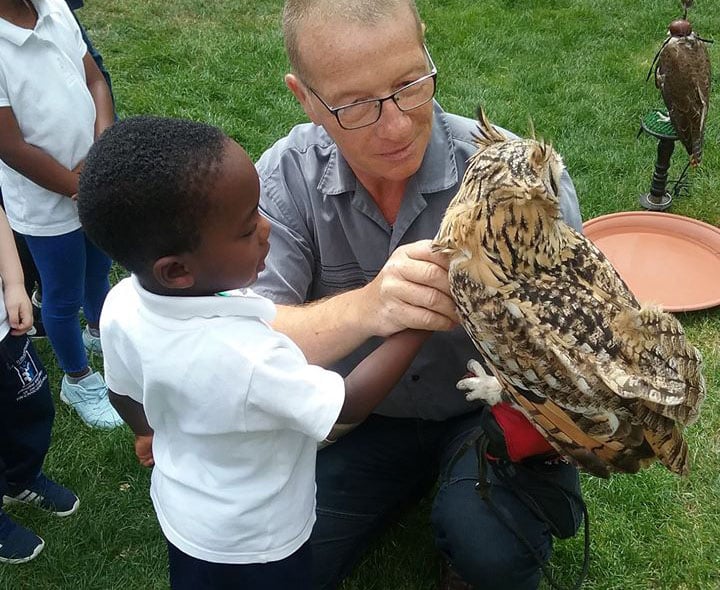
[(610, 384), (683, 77)]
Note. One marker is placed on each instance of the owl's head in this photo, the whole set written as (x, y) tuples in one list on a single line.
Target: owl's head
[(516, 172), (509, 193)]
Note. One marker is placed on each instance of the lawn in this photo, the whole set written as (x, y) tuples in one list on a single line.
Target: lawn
[(576, 68)]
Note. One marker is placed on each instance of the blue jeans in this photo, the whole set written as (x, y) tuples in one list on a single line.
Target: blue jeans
[(385, 463), (189, 573), (74, 274), (26, 412)]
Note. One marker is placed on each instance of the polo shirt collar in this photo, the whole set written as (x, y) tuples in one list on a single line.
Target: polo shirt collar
[(437, 172), (18, 35), (240, 302)]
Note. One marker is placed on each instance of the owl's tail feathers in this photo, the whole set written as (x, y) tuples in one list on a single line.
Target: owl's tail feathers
[(666, 441), (592, 454)]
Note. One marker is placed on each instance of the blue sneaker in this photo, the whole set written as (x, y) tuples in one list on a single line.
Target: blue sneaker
[(46, 494), (17, 544), (92, 343), (89, 397)]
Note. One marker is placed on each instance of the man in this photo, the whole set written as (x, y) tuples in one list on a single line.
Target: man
[(354, 199)]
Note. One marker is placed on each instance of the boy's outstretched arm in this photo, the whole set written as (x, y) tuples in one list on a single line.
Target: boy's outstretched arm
[(17, 302), (371, 381), (133, 414)]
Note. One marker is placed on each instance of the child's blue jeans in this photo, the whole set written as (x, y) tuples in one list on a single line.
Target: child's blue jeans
[(74, 274)]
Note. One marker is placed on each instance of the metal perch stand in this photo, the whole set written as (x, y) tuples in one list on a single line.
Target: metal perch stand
[(657, 124)]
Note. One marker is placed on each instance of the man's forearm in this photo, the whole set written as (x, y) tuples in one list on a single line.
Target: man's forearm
[(326, 330)]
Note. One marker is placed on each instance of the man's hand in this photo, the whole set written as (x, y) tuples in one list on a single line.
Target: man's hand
[(411, 291), (19, 309), (143, 450)]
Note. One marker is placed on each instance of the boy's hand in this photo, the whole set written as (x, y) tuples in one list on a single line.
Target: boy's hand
[(143, 450), (19, 309)]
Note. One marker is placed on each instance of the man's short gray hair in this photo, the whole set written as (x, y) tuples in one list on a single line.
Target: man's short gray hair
[(362, 12)]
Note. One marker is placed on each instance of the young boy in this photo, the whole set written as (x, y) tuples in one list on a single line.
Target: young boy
[(26, 414), (232, 409)]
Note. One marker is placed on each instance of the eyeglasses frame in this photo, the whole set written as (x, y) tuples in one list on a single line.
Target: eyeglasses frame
[(335, 110)]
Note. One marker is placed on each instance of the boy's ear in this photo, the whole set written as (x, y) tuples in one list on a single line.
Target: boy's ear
[(171, 272)]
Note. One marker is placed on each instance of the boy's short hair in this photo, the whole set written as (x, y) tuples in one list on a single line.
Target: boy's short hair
[(143, 191)]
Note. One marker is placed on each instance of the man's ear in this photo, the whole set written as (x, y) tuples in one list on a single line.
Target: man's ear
[(301, 93), (171, 272)]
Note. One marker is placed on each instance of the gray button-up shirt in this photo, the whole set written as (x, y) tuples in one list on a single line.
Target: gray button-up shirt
[(329, 236)]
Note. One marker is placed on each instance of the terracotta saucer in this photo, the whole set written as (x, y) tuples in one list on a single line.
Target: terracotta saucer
[(664, 258)]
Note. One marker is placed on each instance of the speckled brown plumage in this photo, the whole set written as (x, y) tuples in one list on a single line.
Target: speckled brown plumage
[(683, 77), (609, 383)]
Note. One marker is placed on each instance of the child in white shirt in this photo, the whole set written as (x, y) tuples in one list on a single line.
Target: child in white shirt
[(53, 103), (227, 409)]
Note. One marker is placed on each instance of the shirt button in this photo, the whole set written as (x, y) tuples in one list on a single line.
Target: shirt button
[(415, 377)]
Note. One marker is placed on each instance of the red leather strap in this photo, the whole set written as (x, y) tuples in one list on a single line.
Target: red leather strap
[(522, 439)]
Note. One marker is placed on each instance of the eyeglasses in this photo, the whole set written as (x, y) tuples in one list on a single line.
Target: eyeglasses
[(366, 112)]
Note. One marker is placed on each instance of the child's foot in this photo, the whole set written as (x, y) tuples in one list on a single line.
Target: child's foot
[(17, 544), (44, 493), (89, 396), (91, 340)]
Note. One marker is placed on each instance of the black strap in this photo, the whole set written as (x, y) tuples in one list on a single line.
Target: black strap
[(504, 468), (505, 472)]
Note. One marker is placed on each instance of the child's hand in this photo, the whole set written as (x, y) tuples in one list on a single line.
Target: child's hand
[(19, 309), (143, 450)]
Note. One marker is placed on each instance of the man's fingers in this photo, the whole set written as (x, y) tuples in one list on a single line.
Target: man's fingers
[(422, 250)]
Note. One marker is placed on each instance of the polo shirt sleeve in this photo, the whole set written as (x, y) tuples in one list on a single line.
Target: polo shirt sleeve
[(290, 264), (285, 392), (569, 206), (118, 352)]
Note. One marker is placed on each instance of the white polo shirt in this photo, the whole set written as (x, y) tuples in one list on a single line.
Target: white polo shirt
[(42, 79), (237, 414)]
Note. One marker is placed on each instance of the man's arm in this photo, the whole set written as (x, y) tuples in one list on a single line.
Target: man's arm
[(411, 291)]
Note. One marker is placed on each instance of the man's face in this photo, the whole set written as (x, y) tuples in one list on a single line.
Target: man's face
[(344, 63)]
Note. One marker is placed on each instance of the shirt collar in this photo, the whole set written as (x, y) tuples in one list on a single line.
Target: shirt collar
[(240, 302), (18, 35), (437, 172)]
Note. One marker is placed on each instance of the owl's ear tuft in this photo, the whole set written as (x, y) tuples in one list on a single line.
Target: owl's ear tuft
[(486, 134), (539, 155)]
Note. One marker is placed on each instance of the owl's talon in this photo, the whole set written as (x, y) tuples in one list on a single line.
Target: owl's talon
[(481, 386)]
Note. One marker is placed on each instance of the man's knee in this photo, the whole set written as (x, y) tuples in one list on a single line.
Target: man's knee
[(485, 552)]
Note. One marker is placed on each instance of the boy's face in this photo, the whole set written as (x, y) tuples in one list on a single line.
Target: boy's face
[(234, 240)]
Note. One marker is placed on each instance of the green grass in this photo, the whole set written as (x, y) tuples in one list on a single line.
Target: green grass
[(577, 69)]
